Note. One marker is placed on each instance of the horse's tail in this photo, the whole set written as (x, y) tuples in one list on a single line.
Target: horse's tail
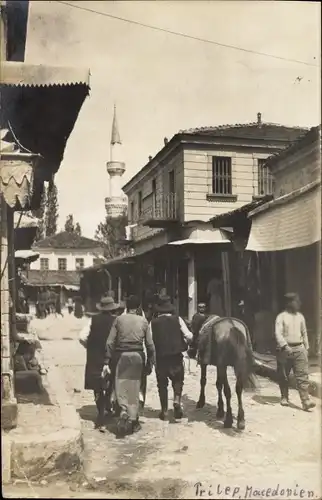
[(244, 365)]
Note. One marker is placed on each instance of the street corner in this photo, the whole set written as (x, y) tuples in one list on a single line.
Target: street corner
[(34, 455), (6, 452)]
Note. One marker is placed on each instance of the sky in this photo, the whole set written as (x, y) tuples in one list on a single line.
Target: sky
[(162, 83)]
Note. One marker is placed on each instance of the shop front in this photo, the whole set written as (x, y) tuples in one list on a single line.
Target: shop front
[(290, 228)]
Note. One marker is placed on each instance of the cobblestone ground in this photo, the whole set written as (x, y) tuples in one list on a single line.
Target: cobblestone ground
[(280, 448)]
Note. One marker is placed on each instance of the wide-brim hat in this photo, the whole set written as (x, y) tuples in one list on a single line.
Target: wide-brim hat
[(164, 305), (107, 304), (289, 297)]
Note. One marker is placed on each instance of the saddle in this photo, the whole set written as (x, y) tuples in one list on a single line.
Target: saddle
[(207, 348)]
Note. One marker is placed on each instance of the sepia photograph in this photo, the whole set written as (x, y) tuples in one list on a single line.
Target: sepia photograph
[(160, 227)]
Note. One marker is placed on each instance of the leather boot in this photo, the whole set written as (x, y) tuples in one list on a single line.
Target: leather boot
[(308, 405), (163, 395), (99, 423), (284, 396), (177, 407)]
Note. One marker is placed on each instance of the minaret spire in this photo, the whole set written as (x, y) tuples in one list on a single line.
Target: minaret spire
[(116, 202), (115, 138)]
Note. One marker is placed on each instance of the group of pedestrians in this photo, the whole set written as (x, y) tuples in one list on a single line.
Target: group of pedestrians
[(122, 349)]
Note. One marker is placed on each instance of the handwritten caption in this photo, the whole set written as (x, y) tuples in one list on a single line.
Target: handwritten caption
[(250, 492)]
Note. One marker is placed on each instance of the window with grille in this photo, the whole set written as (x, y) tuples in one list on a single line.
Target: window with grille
[(132, 215), (62, 264), (154, 193), (265, 183), (221, 175), (44, 264), (172, 185), (140, 203), (79, 263)]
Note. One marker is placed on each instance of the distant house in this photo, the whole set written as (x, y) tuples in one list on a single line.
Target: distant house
[(66, 252), (61, 260)]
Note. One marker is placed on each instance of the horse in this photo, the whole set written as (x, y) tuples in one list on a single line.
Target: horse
[(224, 342)]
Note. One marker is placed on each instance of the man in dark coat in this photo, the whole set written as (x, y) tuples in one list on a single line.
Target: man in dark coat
[(94, 337), (170, 337)]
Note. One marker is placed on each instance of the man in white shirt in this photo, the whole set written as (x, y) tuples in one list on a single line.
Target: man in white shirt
[(292, 351)]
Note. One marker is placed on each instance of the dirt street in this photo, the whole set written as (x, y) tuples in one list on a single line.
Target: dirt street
[(277, 456)]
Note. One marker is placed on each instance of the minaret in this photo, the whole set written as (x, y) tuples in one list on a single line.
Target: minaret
[(116, 203)]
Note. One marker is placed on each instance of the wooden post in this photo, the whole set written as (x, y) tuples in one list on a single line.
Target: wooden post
[(3, 32), (192, 287), (119, 288), (12, 274), (226, 279), (8, 401)]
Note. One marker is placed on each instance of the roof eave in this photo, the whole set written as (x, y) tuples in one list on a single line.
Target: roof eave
[(174, 141), (312, 135), (18, 74), (229, 218), (185, 137)]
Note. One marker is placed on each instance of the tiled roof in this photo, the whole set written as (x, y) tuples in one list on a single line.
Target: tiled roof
[(227, 217), (252, 130), (314, 134), (256, 131), (67, 240), (51, 278)]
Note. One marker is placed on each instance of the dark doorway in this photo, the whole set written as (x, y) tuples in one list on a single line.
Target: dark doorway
[(183, 287)]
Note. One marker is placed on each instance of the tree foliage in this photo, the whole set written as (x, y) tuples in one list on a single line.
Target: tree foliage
[(71, 227), (78, 229), (109, 233), (40, 214), (51, 214)]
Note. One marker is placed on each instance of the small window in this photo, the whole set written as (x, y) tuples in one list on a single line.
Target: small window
[(79, 263), (172, 183), (132, 216), (265, 179), (140, 203), (44, 264), (154, 193), (62, 264), (221, 175)]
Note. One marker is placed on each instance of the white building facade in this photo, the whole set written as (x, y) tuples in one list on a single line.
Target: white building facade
[(66, 252)]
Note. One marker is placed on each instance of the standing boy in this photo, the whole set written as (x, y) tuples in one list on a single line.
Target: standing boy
[(292, 351)]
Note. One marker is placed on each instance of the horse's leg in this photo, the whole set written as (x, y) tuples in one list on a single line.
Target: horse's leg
[(228, 423), (219, 383), (203, 382), (241, 414)]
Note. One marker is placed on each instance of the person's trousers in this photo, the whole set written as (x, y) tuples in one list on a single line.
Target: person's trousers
[(169, 368), (298, 362)]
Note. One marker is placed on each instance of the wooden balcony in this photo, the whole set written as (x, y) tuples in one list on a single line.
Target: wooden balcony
[(162, 213)]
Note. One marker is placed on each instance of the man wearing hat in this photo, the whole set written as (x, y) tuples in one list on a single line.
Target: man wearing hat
[(197, 321), (292, 351), (126, 361), (94, 336), (170, 337)]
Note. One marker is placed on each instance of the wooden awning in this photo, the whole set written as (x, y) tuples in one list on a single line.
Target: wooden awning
[(291, 221), (40, 105)]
